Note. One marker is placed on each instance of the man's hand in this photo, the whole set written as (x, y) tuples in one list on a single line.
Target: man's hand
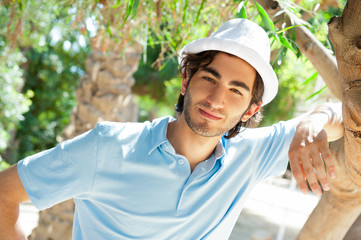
[(309, 154), (310, 158)]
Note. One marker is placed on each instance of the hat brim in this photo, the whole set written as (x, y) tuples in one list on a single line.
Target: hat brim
[(242, 51)]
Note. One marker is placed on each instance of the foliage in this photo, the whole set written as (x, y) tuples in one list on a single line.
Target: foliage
[(150, 77), (151, 108), (4, 165), (319, 20), (298, 79), (156, 86), (291, 89), (53, 75), (13, 103), (173, 24), (26, 23), (54, 60)]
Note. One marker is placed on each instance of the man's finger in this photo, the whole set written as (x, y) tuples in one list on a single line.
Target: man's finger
[(310, 174), (320, 169), (299, 174), (328, 159)]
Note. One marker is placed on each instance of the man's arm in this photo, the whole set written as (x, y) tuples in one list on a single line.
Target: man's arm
[(12, 193), (309, 154)]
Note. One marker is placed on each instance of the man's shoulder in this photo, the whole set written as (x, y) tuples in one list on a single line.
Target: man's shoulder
[(110, 129), (119, 126), (280, 128)]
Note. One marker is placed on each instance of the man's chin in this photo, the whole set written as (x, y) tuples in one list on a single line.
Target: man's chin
[(205, 127), (207, 131)]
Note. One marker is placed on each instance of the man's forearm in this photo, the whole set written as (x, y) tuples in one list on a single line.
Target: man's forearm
[(327, 116), (12, 194), (330, 115), (9, 227)]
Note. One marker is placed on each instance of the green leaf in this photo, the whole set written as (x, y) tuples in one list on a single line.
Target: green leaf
[(20, 5), (184, 12), (317, 93), (131, 9), (199, 12), (109, 30), (288, 28), (115, 6), (135, 7), (280, 55), (287, 44), (313, 77), (295, 46), (265, 18), (242, 10)]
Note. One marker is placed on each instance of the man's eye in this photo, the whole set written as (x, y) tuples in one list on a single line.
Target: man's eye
[(208, 79), (236, 91)]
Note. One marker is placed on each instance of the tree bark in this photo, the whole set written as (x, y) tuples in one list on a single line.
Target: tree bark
[(354, 232), (338, 208), (104, 94), (345, 34)]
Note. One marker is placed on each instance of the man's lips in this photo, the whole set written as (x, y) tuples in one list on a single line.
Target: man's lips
[(209, 115)]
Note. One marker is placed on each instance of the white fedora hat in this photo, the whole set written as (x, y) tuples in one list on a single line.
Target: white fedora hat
[(246, 40)]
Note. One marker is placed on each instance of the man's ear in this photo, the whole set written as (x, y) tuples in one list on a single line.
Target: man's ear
[(251, 111), (184, 86)]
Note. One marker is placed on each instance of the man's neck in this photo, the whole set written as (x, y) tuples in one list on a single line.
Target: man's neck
[(185, 142)]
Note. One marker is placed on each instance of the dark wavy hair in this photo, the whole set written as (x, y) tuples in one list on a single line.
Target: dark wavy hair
[(191, 63)]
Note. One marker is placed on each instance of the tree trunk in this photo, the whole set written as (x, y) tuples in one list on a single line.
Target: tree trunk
[(339, 207), (104, 94), (345, 35), (354, 232)]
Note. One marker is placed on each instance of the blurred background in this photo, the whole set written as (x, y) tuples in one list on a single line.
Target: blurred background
[(65, 65)]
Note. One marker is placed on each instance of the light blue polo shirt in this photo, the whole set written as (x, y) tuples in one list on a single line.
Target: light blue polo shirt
[(128, 183)]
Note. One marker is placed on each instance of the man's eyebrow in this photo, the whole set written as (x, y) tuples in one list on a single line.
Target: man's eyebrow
[(235, 83), (212, 71), (240, 84)]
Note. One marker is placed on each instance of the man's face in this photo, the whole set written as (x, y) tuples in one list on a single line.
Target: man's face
[(218, 96)]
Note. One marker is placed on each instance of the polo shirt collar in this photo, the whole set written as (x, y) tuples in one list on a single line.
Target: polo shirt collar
[(220, 151), (158, 132), (158, 137)]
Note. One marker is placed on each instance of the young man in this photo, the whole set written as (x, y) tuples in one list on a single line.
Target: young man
[(184, 178)]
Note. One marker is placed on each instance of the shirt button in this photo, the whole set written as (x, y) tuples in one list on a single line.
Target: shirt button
[(180, 161)]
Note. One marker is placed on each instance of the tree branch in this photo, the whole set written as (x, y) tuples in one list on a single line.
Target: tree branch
[(319, 56)]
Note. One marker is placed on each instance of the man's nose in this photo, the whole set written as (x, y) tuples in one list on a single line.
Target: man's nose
[(216, 97)]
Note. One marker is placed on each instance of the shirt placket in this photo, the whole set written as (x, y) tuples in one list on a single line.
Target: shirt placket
[(201, 171)]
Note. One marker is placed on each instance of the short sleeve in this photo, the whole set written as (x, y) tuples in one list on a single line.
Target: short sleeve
[(274, 153), (61, 173)]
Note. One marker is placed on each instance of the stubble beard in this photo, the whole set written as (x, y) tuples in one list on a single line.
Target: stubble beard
[(202, 128)]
